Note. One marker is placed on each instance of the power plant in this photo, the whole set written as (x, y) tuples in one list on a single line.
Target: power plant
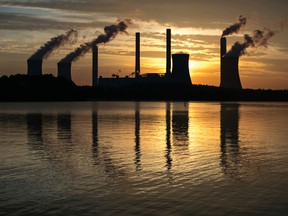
[(179, 75), (229, 60), (180, 72)]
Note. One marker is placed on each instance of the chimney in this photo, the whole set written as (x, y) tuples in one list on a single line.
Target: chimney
[(230, 73), (180, 71), (34, 67), (95, 65), (137, 57), (168, 52), (64, 70), (223, 46)]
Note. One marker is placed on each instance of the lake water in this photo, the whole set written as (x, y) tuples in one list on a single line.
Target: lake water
[(144, 158)]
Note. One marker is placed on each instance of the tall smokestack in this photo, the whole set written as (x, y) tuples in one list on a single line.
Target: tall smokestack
[(64, 70), (137, 55), (168, 52), (223, 45), (180, 71), (95, 65), (223, 50), (230, 72), (34, 67)]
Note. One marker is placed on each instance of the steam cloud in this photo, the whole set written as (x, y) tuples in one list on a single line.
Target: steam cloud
[(110, 33), (258, 39), (55, 42), (235, 27)]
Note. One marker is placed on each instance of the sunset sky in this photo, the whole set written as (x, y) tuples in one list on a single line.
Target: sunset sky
[(196, 29)]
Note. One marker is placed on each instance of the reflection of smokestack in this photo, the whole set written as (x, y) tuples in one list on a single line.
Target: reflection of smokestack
[(34, 67), (95, 65), (180, 71), (137, 55), (137, 159), (168, 52), (64, 70), (230, 73)]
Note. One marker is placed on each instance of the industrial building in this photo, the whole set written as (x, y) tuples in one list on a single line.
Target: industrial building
[(180, 72), (229, 77)]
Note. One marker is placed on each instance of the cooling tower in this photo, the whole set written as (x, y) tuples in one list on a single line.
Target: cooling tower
[(34, 67), (180, 71), (64, 70), (95, 65), (230, 73), (168, 52), (137, 55)]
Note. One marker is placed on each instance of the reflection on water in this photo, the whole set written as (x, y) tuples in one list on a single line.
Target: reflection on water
[(230, 150), (168, 138), (64, 126), (180, 124), (34, 128), (95, 134), (150, 158), (137, 137)]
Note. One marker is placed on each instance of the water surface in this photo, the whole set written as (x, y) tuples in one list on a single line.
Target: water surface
[(143, 158)]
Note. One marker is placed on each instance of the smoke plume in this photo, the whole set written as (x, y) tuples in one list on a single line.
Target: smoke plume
[(55, 42), (110, 33), (235, 27), (259, 38)]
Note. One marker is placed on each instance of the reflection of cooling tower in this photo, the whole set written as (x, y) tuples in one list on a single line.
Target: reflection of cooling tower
[(230, 73), (64, 70), (180, 124), (34, 67), (95, 65), (180, 71)]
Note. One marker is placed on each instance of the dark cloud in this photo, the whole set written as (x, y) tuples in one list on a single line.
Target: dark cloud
[(182, 13), (31, 22)]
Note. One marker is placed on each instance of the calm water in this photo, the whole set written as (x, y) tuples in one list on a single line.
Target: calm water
[(143, 158)]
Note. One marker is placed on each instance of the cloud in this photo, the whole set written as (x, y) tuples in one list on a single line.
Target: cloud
[(27, 18)]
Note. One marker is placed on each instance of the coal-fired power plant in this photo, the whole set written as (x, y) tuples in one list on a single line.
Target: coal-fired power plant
[(34, 67), (229, 77), (180, 71), (64, 70), (179, 74)]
